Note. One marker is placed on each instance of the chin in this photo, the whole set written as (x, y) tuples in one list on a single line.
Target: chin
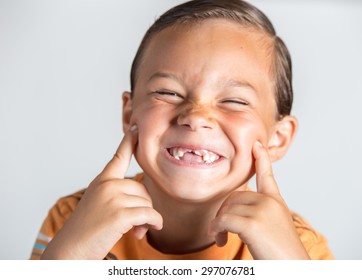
[(196, 190)]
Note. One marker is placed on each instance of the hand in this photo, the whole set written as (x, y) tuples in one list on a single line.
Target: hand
[(261, 219), (109, 208)]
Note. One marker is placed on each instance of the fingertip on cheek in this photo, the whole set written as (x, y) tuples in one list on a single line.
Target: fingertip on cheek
[(133, 128), (258, 148), (258, 144)]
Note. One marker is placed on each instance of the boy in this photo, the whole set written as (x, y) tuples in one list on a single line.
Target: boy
[(209, 107)]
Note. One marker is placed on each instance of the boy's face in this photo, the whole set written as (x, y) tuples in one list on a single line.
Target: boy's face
[(203, 97)]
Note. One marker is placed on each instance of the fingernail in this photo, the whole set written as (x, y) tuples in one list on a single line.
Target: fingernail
[(259, 144), (133, 128)]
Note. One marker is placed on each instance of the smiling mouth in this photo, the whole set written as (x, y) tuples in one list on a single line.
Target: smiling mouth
[(193, 156)]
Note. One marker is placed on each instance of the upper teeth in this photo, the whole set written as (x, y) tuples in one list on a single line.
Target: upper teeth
[(207, 156)]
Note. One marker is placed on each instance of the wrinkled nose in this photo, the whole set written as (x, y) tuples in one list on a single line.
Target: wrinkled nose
[(196, 118)]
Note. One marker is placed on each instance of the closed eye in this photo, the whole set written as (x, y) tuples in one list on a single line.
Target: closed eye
[(167, 96), (171, 93), (236, 101)]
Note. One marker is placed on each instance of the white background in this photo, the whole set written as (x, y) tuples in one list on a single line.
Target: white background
[(64, 65)]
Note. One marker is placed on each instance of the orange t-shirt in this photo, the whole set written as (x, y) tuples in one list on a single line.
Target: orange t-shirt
[(129, 248)]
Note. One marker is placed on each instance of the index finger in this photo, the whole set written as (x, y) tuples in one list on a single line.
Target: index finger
[(265, 181), (118, 165)]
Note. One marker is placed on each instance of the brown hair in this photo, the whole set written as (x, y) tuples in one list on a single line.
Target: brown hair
[(242, 13)]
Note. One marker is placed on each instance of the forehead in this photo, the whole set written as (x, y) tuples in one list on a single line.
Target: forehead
[(211, 49)]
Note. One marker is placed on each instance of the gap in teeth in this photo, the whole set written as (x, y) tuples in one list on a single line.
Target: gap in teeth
[(207, 156)]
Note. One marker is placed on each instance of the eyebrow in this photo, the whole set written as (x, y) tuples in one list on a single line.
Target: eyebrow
[(222, 84), (164, 75), (235, 83)]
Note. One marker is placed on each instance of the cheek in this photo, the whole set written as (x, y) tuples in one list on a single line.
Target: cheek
[(144, 117), (243, 133), (145, 151), (243, 140), (151, 123), (151, 127)]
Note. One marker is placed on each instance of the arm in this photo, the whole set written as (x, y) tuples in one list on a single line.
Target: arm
[(109, 208), (261, 219)]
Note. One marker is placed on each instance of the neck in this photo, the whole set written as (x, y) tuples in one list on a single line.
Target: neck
[(183, 231), (186, 229)]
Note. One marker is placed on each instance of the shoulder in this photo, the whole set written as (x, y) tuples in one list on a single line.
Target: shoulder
[(67, 204), (56, 218), (314, 242), (60, 212)]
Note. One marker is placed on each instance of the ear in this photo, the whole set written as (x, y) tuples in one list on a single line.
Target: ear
[(282, 137), (127, 110)]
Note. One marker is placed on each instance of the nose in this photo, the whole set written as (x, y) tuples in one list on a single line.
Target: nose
[(196, 117)]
